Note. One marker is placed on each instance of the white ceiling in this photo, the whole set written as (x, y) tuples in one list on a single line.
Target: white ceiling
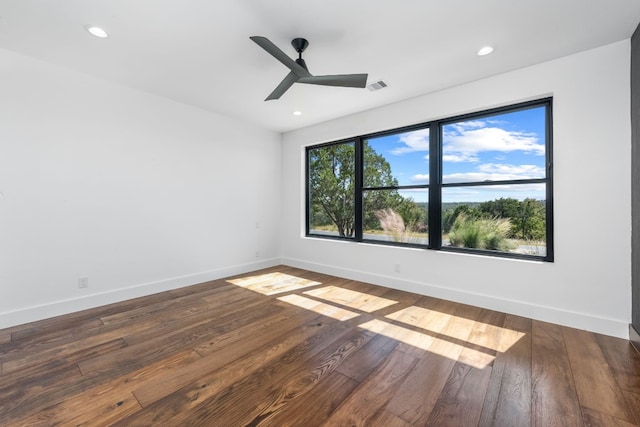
[(198, 51)]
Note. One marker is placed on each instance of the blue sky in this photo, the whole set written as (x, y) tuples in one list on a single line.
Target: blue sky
[(502, 147)]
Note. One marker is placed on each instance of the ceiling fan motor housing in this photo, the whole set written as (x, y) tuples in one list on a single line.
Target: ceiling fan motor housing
[(299, 44)]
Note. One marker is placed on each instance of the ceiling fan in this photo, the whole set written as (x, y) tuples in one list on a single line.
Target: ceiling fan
[(300, 73)]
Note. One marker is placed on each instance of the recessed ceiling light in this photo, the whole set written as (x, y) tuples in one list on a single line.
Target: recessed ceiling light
[(297, 113), (485, 51), (96, 31)]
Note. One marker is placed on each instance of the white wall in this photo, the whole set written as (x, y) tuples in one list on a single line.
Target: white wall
[(136, 192), (589, 284)]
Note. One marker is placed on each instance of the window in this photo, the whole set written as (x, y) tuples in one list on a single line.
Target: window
[(395, 190), (478, 183), (331, 190)]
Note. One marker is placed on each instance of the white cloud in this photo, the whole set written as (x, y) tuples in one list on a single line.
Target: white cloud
[(466, 140), (465, 126), (496, 172), (460, 158), (524, 171), (463, 141), (421, 178), (414, 141)]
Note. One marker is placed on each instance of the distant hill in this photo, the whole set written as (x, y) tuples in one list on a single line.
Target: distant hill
[(450, 205)]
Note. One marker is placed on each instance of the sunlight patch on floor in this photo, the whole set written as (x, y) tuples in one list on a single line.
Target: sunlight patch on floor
[(454, 337), (319, 307), (273, 283), (486, 335), (354, 299), (431, 344)]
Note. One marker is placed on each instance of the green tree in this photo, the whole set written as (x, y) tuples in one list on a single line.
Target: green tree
[(527, 217), (530, 223), (501, 208), (414, 216), (332, 187)]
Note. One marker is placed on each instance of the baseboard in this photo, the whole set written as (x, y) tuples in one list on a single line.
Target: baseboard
[(634, 337), (57, 308), (583, 321)]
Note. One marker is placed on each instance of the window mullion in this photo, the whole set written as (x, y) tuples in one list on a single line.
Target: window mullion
[(435, 187), (359, 179)]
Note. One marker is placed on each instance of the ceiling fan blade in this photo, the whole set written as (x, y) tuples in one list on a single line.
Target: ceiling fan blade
[(275, 51), (347, 80), (285, 84)]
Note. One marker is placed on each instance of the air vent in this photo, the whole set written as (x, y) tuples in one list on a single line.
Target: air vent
[(377, 85)]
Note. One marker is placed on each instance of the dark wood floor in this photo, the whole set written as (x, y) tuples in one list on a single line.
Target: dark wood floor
[(285, 346)]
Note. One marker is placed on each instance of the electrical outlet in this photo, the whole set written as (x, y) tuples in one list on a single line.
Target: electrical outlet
[(83, 282), (257, 254), (396, 268)]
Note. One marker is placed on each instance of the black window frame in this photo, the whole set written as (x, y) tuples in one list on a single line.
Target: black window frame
[(435, 185)]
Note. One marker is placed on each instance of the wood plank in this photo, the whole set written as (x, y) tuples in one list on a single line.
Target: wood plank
[(279, 398), (416, 328), (623, 360), (267, 327), (422, 327), (177, 303), (596, 419), (105, 410), (41, 340), (374, 394), (508, 398), (70, 353), (202, 313), (43, 370), (463, 395), (108, 402), (456, 406), (317, 405), (253, 356), (360, 365), (595, 384), (402, 300), (415, 399), (633, 401), (212, 285), (417, 396), (554, 401), (137, 355), (387, 419), (5, 338), (24, 395), (330, 310), (226, 392), (351, 299), (23, 338), (273, 283)]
